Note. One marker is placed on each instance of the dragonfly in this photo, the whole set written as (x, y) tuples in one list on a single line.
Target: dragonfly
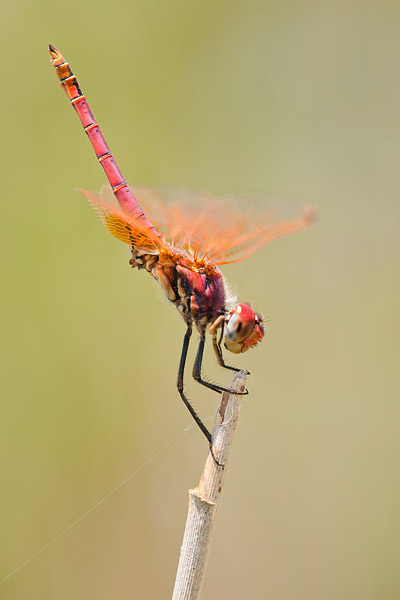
[(181, 238)]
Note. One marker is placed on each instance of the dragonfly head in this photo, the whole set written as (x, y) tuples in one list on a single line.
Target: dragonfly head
[(243, 329)]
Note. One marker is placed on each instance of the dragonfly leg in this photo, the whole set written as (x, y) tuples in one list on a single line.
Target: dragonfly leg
[(218, 351), (182, 363), (194, 414), (197, 370)]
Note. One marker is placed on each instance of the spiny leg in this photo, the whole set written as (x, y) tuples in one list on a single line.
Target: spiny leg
[(197, 370), (218, 351)]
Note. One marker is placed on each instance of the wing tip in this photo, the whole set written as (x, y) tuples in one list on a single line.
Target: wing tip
[(311, 213)]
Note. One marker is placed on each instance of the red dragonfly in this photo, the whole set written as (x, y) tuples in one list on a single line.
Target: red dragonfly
[(181, 243)]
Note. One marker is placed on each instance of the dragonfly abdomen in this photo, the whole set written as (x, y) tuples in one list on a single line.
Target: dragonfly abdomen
[(123, 193)]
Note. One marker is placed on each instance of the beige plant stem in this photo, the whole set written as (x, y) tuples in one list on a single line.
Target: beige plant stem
[(204, 500)]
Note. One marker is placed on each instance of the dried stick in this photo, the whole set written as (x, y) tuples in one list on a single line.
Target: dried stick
[(204, 500)]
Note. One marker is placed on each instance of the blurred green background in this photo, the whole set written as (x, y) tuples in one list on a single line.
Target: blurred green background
[(289, 97)]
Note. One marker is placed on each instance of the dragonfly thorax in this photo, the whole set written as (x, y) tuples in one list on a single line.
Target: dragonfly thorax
[(197, 293)]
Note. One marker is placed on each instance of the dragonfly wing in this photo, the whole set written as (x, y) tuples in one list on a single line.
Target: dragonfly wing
[(121, 225), (221, 230), (244, 224)]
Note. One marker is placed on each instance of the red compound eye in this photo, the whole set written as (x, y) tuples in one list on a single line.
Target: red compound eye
[(243, 329)]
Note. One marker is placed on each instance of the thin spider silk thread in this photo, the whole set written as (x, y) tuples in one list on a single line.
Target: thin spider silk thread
[(98, 503)]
